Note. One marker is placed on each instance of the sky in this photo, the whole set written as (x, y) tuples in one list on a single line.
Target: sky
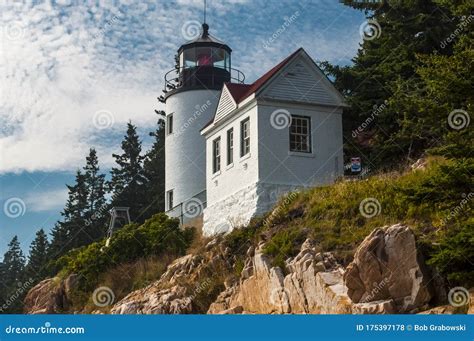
[(73, 73)]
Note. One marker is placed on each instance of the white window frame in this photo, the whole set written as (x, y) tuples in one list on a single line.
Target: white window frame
[(216, 155), (244, 137), (299, 130), (230, 146)]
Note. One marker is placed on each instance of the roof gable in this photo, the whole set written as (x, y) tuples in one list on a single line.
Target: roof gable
[(226, 104), (301, 80)]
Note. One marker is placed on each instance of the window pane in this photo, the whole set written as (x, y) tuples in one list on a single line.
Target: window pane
[(300, 130)]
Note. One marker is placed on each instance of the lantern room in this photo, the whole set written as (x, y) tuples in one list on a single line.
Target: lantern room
[(202, 63)]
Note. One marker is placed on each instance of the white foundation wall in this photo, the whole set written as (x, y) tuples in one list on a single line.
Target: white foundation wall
[(185, 150), (237, 209)]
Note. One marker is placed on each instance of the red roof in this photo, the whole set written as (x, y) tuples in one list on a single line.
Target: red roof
[(237, 90), (255, 86), (241, 91)]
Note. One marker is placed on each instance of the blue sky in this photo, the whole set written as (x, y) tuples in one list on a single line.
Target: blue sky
[(72, 73)]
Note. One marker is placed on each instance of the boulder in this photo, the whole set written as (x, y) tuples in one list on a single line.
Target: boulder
[(314, 284), (388, 266), (152, 300), (50, 296)]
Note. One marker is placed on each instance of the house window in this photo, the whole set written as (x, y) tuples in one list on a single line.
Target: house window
[(244, 137), (300, 134), (230, 146), (170, 200), (216, 155), (169, 124)]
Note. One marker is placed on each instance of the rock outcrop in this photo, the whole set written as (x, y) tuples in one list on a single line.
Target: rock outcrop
[(313, 285), (173, 293), (50, 296), (388, 266)]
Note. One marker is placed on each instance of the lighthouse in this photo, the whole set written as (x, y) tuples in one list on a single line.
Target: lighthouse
[(191, 95)]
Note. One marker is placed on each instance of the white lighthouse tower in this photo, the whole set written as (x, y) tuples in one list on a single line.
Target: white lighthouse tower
[(191, 95)]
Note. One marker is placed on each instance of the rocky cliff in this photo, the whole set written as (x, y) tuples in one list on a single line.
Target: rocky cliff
[(387, 275)]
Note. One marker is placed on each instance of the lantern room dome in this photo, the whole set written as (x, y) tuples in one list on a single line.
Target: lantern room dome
[(202, 63)]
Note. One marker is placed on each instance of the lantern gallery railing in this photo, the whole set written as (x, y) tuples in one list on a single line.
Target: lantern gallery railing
[(201, 76)]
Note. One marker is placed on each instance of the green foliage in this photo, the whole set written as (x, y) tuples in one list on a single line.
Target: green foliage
[(128, 183), (284, 244), (154, 169), (36, 268), (159, 235), (419, 75), (432, 201)]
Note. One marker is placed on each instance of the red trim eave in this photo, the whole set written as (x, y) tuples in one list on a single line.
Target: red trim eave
[(241, 91)]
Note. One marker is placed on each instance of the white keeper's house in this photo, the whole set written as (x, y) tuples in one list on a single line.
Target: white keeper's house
[(233, 149)]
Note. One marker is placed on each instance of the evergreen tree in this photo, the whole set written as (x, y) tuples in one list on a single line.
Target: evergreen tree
[(96, 210), (59, 241), (14, 264), (38, 257), (403, 30), (154, 168), (128, 181), (12, 278)]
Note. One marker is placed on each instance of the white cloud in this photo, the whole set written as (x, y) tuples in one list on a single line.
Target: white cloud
[(52, 200), (61, 64)]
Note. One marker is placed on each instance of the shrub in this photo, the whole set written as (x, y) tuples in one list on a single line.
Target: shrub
[(158, 236)]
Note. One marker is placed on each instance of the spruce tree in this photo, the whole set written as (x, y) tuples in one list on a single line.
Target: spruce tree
[(96, 211), (14, 264), (128, 181), (403, 30), (38, 258), (154, 168)]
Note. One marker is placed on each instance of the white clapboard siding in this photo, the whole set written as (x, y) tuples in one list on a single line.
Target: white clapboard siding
[(226, 104), (299, 83)]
